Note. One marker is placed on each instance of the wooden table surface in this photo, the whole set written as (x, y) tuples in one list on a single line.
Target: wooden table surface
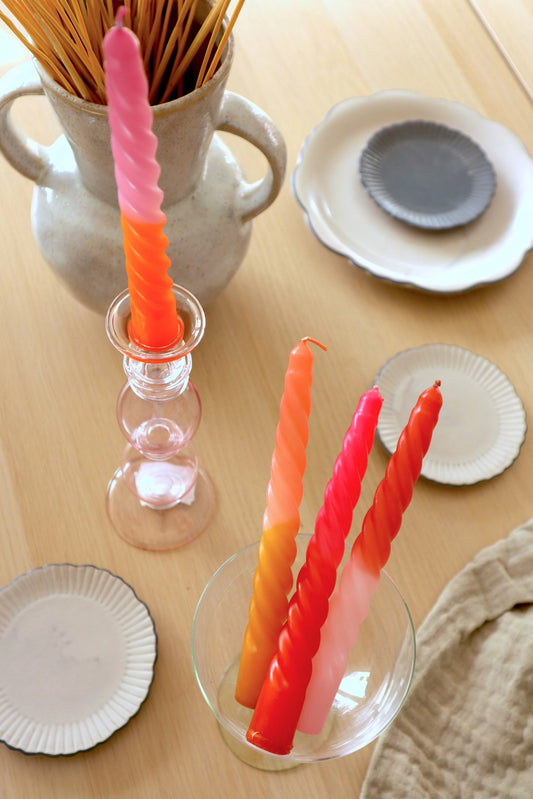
[(510, 29), (59, 441)]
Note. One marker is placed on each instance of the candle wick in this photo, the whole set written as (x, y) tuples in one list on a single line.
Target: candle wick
[(119, 17), (314, 341)]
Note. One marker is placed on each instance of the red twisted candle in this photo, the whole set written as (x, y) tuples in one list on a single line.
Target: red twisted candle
[(282, 694), (281, 522), (382, 522), (350, 601)]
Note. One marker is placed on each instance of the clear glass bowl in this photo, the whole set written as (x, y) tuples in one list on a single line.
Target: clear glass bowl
[(377, 678)]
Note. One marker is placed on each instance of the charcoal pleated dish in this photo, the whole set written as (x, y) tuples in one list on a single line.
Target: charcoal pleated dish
[(427, 174), (482, 423), (77, 655)]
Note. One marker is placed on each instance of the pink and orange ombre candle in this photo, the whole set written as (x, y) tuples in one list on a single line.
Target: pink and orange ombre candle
[(155, 323)]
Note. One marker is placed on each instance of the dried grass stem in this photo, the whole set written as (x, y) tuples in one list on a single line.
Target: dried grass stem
[(65, 36)]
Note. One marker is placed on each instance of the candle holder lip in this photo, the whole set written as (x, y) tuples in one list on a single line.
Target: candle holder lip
[(177, 340), (377, 680), (190, 311)]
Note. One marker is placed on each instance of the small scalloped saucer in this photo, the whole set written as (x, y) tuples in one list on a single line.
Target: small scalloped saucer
[(481, 426), (77, 654), (345, 219), (428, 175)]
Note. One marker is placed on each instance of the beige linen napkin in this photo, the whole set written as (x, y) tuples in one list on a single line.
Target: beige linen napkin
[(466, 729)]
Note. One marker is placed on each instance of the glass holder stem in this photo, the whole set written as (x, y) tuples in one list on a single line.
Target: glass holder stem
[(159, 498)]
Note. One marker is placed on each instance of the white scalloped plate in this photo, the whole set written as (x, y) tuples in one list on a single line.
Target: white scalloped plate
[(77, 654), (346, 220), (482, 424)]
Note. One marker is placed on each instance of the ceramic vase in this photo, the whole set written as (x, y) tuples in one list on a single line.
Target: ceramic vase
[(208, 202)]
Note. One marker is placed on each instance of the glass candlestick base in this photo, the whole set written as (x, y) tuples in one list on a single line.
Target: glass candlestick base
[(159, 498), (159, 528)]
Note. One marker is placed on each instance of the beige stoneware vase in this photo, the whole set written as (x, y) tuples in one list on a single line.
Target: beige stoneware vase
[(208, 202)]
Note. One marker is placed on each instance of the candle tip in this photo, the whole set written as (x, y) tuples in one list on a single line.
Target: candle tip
[(119, 16), (314, 341)]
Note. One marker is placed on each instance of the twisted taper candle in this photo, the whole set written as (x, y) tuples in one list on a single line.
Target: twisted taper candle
[(281, 522), (281, 698), (350, 601), (154, 320)]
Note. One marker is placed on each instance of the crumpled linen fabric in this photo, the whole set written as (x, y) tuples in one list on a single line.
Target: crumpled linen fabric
[(466, 728)]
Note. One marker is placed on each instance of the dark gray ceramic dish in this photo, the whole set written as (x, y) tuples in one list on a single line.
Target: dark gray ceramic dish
[(427, 174)]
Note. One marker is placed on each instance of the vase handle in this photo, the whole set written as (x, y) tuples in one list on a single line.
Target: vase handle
[(247, 120), (24, 154)]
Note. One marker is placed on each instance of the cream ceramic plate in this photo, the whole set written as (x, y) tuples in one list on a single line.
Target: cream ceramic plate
[(346, 220), (77, 654), (482, 423)]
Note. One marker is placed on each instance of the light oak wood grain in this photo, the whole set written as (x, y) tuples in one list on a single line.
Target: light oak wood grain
[(511, 27), (59, 441)]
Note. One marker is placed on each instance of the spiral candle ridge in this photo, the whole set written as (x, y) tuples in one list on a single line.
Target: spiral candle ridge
[(359, 579), (281, 698), (154, 320), (133, 143), (393, 495), (281, 522), (348, 607)]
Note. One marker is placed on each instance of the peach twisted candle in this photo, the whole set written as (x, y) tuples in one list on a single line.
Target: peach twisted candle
[(154, 320), (360, 577), (281, 698), (281, 522)]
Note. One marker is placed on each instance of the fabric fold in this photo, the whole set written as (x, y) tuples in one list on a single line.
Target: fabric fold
[(466, 729)]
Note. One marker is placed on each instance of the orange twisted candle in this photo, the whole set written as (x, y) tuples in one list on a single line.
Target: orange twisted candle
[(281, 522), (154, 321)]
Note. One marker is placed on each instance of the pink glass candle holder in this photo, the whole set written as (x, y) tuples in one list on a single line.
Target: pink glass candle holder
[(159, 498), (375, 684)]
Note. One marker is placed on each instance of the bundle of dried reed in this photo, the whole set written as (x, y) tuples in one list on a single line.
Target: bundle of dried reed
[(181, 50)]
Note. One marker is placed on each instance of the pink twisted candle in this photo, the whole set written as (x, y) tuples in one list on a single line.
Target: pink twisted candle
[(281, 522), (282, 694), (359, 579), (154, 320)]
